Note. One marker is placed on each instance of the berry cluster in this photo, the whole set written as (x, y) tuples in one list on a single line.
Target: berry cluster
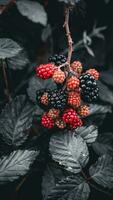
[(65, 106)]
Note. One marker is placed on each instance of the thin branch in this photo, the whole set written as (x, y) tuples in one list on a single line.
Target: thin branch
[(6, 80), (68, 34)]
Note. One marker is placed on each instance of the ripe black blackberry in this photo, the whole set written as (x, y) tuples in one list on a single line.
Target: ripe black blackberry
[(57, 99), (89, 88), (57, 59)]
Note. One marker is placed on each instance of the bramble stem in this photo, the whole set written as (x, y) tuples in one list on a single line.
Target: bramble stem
[(68, 34), (6, 80)]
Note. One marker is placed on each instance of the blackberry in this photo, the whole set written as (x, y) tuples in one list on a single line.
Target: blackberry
[(57, 59), (89, 88), (57, 99)]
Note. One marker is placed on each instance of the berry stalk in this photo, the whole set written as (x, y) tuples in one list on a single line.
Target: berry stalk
[(68, 34)]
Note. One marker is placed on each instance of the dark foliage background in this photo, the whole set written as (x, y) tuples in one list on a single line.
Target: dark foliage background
[(29, 35)]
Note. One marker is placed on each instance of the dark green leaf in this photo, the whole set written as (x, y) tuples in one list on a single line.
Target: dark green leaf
[(107, 77), (102, 171), (88, 133), (103, 144), (105, 94), (33, 11), (16, 164), (57, 186), (8, 48), (15, 119), (69, 150), (19, 61)]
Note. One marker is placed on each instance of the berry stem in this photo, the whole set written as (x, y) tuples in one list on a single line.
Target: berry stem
[(68, 34), (6, 80)]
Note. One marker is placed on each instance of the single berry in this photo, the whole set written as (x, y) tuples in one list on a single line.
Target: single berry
[(77, 67), (94, 73), (74, 99), (45, 71), (46, 121), (60, 123), (44, 98), (57, 59), (83, 111), (69, 115), (59, 76), (71, 118), (73, 83), (89, 88), (57, 99), (53, 113)]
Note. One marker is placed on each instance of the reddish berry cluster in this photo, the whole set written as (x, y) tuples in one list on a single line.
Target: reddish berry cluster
[(66, 106)]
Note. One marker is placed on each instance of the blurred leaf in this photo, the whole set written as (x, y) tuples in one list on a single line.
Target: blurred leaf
[(99, 109), (98, 114), (103, 144), (86, 39), (33, 11), (19, 61), (90, 51), (88, 133), (47, 32), (107, 1), (5, 2), (69, 150), (69, 187), (102, 171), (105, 94), (16, 164), (15, 119), (70, 2), (36, 83), (107, 78), (8, 48), (97, 31)]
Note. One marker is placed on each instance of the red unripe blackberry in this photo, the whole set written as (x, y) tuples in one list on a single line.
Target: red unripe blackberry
[(74, 99), (46, 121), (73, 83), (69, 116), (53, 113), (58, 76), (45, 71), (94, 73), (77, 67), (83, 111), (44, 98), (60, 123)]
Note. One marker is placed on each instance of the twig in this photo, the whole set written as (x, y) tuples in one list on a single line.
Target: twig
[(6, 80), (80, 43), (68, 34)]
